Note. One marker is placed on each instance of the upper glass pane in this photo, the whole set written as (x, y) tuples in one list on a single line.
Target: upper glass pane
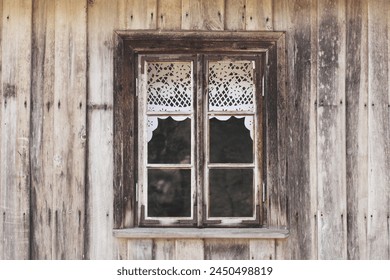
[(231, 86), (231, 139), (169, 86), (169, 139)]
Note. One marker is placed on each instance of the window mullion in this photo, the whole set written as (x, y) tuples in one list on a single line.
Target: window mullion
[(199, 134)]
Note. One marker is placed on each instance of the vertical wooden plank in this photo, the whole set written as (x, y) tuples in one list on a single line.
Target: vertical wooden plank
[(313, 128), (140, 249), (332, 231), (262, 249), (379, 131), (41, 142), (120, 250), (100, 242), (169, 15), (163, 249), (259, 15), (189, 249), (357, 127), (137, 14), (15, 129), (235, 11), (296, 17), (228, 249), (1, 115), (203, 15), (275, 138), (69, 129)]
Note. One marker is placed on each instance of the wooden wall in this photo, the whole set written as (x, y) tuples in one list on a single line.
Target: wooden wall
[(56, 126)]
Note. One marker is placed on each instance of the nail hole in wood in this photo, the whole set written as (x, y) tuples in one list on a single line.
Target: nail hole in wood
[(59, 104)]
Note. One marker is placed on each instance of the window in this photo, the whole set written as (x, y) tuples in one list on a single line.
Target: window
[(200, 140), (191, 128)]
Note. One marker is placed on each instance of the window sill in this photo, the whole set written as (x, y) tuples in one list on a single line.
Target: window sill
[(250, 233)]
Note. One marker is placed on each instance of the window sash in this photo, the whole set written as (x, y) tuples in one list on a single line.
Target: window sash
[(199, 146)]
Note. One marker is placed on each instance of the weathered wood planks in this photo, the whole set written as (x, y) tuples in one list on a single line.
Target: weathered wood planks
[(378, 131), (332, 231), (259, 15), (264, 249), (15, 129), (296, 18), (203, 15), (42, 126), (170, 15), (69, 130), (236, 249), (235, 14), (99, 241), (336, 48), (357, 127)]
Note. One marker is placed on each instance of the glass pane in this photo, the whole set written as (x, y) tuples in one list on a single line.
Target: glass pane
[(169, 86), (231, 193), (231, 139), (169, 193), (169, 139), (231, 86)]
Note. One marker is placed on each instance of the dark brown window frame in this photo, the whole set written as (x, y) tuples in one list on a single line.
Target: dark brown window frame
[(130, 43)]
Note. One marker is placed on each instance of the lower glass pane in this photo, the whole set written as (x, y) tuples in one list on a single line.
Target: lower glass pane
[(231, 193), (169, 193)]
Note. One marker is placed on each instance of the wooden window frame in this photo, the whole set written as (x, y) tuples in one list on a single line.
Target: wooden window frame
[(269, 45)]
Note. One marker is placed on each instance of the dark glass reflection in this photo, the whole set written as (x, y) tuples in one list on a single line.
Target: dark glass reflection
[(169, 193), (231, 193), (230, 141), (171, 142)]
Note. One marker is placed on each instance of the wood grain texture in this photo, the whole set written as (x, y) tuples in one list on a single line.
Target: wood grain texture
[(378, 132), (189, 249), (135, 14), (201, 233), (235, 14), (169, 15), (259, 15), (357, 128), (262, 249), (15, 129), (164, 249), (100, 242), (296, 18), (235, 249), (332, 227), (42, 126), (203, 15), (69, 129), (140, 249)]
